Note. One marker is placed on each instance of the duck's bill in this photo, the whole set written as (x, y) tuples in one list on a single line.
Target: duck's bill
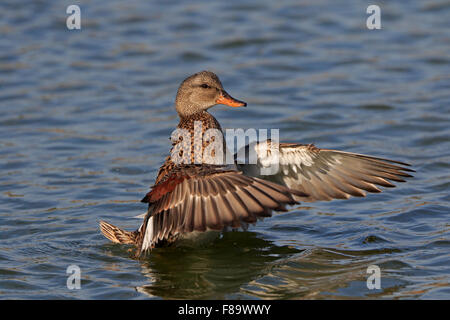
[(228, 100)]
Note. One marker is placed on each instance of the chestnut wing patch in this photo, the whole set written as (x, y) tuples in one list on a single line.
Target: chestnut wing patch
[(159, 190)]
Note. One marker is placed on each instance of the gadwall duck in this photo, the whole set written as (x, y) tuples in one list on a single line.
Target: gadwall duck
[(196, 195)]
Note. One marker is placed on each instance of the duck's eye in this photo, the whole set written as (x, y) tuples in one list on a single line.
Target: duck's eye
[(205, 86)]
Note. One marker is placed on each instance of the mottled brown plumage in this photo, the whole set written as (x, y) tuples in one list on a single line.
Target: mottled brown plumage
[(207, 122)]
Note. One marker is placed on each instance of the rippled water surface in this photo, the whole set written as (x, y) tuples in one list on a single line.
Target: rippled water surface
[(85, 118)]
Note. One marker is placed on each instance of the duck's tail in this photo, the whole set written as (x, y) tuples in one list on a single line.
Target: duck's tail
[(117, 235)]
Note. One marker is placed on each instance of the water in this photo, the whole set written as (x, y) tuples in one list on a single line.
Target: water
[(85, 118)]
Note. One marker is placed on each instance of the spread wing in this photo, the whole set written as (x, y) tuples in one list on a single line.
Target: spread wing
[(321, 173), (200, 198)]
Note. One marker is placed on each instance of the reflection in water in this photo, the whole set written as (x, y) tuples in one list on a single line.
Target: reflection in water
[(215, 270), (243, 265)]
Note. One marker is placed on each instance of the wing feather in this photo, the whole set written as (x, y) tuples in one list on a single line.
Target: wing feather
[(323, 174), (201, 198)]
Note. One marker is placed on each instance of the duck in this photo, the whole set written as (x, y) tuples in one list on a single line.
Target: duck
[(197, 194)]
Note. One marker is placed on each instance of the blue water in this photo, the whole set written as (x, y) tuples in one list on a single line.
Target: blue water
[(85, 118)]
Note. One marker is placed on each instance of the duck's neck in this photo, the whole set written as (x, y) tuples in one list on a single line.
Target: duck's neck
[(204, 118), (194, 128)]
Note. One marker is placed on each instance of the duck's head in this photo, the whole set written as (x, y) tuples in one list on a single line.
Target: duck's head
[(200, 92)]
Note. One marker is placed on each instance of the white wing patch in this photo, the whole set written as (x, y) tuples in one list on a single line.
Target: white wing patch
[(296, 156), (285, 156), (147, 243)]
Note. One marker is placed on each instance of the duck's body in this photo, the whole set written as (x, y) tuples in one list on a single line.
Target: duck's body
[(194, 193)]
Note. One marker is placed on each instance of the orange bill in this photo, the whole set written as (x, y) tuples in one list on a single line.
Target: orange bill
[(228, 100)]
